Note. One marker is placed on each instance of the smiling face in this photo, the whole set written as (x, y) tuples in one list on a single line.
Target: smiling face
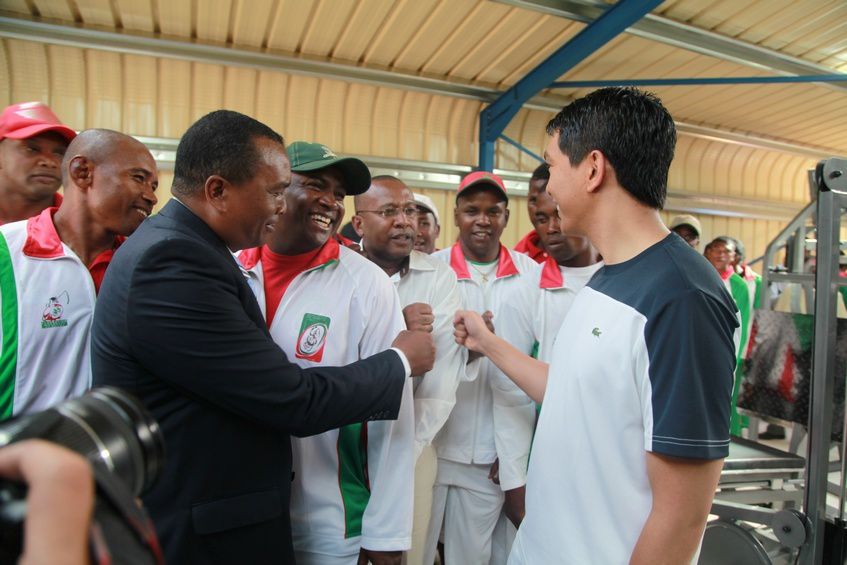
[(314, 205), (720, 254), (254, 206), (481, 216), (567, 187), (31, 168), (122, 191)]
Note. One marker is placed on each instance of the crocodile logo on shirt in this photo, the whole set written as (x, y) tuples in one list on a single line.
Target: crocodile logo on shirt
[(596, 332), (312, 338), (54, 310)]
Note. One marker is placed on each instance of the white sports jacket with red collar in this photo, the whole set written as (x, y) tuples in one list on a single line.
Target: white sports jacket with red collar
[(352, 486), (492, 417), (47, 298)]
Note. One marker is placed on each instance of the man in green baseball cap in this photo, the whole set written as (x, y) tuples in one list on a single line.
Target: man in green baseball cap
[(327, 305), (309, 158), (315, 160)]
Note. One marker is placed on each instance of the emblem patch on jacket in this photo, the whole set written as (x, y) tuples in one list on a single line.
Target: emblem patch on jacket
[(312, 338), (54, 310)]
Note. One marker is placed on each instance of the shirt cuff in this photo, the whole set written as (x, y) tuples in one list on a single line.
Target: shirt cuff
[(406, 366)]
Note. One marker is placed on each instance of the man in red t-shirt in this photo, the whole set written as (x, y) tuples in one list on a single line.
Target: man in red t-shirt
[(32, 144), (531, 244)]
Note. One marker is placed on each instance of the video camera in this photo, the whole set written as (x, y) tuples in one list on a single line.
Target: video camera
[(125, 448)]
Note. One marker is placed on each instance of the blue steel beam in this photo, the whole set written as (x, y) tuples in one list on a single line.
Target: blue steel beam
[(699, 81), (520, 147), (494, 119)]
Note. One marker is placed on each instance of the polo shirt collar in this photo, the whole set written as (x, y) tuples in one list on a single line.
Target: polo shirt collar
[(551, 275), (42, 239), (329, 254), (417, 262), (530, 246), (505, 266)]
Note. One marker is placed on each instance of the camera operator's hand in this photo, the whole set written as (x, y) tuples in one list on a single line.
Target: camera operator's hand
[(419, 349), (60, 500)]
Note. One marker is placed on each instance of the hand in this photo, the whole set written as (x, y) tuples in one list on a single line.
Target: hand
[(515, 505), (60, 500), (379, 557), (488, 318), (419, 317), (419, 349), (471, 329), (494, 472)]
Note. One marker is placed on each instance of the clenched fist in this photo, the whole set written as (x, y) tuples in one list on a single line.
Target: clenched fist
[(419, 349), (419, 317)]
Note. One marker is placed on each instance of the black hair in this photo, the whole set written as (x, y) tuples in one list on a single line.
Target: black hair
[(542, 172), (219, 143), (631, 128), (739, 248), (726, 240)]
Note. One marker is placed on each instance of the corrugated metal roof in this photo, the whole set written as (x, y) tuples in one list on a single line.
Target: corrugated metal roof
[(478, 42), (815, 30), (160, 98), (495, 44)]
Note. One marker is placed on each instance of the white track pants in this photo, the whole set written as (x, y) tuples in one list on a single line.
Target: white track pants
[(425, 471), (469, 504)]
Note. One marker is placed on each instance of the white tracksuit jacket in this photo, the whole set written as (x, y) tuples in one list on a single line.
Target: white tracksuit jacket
[(47, 300), (432, 282), (353, 486), (492, 418)]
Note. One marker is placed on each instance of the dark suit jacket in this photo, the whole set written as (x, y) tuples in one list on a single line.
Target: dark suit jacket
[(177, 325)]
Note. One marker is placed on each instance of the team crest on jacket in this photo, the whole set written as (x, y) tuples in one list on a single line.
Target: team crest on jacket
[(54, 310), (312, 338)]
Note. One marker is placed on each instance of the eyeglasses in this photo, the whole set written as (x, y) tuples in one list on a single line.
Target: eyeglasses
[(392, 212)]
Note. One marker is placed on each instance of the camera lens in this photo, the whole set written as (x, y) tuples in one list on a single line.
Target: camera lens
[(122, 434), (108, 427)]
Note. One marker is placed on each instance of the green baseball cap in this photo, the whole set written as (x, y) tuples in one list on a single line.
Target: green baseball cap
[(308, 157)]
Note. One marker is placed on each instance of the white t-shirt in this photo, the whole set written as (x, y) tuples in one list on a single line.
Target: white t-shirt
[(533, 313), (643, 362), (353, 486)]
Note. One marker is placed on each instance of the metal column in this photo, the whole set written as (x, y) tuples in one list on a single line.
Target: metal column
[(829, 174)]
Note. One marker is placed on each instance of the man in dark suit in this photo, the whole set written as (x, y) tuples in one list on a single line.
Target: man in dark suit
[(177, 325)]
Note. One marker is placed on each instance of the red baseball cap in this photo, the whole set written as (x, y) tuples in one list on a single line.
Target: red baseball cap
[(25, 120), (478, 178)]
